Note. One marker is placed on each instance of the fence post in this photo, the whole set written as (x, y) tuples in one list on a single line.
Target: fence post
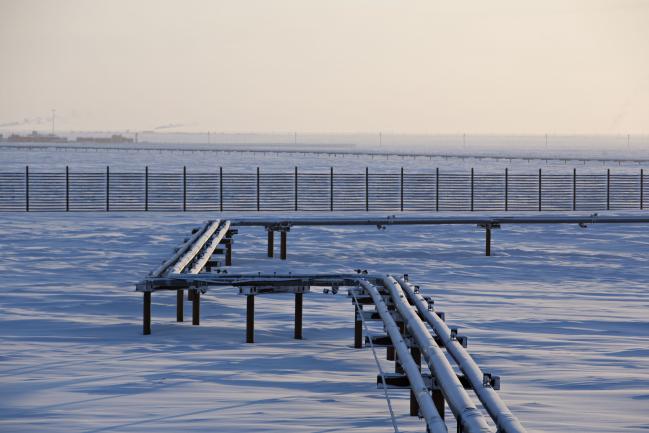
[(367, 189), (331, 188), (437, 189), (184, 188), (221, 188), (471, 189), (401, 189), (146, 187), (641, 188), (107, 188), (540, 189), (67, 189), (26, 188), (574, 189), (506, 189), (296, 188), (258, 189), (608, 189)]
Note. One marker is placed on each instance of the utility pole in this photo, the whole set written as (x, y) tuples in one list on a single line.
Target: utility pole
[(53, 117)]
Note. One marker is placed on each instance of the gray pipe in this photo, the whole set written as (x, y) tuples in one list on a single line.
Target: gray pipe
[(433, 420), (458, 399), (505, 421)]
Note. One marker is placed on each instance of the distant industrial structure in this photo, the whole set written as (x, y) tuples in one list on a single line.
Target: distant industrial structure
[(36, 137)]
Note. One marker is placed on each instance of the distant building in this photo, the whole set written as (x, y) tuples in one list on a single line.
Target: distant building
[(115, 138), (35, 137)]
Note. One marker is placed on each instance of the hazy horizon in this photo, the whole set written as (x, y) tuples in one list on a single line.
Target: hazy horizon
[(571, 67)]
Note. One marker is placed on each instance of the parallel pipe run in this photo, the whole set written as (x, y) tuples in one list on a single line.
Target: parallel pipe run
[(209, 250), (195, 247), (434, 422), (461, 404), (505, 421), (160, 270)]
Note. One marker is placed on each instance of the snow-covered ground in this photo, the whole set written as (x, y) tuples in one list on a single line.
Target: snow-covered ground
[(559, 312)]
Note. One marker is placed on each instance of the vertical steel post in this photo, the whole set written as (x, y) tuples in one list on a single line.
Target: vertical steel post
[(358, 327), (282, 245), (540, 189), (295, 189), (258, 191), (298, 315), (574, 189), (367, 189), (27, 188), (608, 189), (146, 314), (271, 242), (471, 189), (506, 189), (438, 399), (398, 368), (184, 188), (641, 189), (331, 188), (196, 307), (67, 189), (180, 297), (414, 406), (250, 318), (221, 188), (107, 188), (146, 188), (401, 189), (437, 189), (487, 239), (228, 252)]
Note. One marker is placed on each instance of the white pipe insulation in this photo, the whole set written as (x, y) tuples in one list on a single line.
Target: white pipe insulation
[(505, 421), (458, 399), (209, 250), (426, 406), (195, 248)]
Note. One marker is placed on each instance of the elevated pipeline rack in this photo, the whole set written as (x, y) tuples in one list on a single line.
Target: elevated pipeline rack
[(414, 332)]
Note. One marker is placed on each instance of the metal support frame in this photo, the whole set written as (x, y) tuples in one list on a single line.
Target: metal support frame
[(146, 314), (282, 245), (196, 307), (180, 298), (228, 251), (250, 318), (271, 242), (298, 316), (358, 328), (414, 406)]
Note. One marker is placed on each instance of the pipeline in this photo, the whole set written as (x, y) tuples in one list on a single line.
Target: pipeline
[(433, 420), (195, 248), (505, 421), (458, 399), (209, 250), (183, 248)]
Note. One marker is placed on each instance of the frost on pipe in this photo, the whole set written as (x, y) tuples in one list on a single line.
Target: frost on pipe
[(458, 399), (195, 248), (505, 421), (434, 422), (171, 260), (209, 250)]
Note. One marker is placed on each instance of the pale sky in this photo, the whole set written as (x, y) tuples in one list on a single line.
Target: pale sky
[(474, 66)]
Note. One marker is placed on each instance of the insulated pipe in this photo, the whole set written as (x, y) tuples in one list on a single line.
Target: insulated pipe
[(171, 260), (405, 220), (194, 248), (209, 250), (505, 421), (465, 411), (434, 422)]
